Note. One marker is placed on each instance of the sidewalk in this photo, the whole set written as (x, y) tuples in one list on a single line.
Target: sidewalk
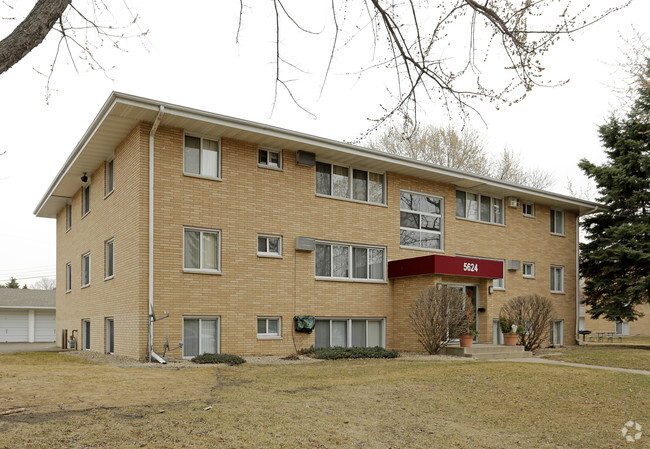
[(578, 365)]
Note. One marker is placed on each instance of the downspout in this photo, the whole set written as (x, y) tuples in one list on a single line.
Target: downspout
[(577, 335), (154, 128)]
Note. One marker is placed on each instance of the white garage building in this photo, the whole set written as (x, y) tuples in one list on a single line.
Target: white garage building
[(27, 315)]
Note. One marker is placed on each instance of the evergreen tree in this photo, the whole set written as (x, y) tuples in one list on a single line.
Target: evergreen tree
[(615, 263), (13, 283)]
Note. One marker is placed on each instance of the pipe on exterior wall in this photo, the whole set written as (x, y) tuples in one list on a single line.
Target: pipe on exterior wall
[(154, 128)]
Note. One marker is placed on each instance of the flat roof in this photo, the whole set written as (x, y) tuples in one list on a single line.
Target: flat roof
[(122, 112)]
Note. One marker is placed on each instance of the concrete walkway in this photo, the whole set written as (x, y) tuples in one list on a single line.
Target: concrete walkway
[(542, 360), (9, 348)]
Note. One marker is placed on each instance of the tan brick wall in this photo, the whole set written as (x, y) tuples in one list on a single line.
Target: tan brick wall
[(638, 327), (120, 215), (251, 200)]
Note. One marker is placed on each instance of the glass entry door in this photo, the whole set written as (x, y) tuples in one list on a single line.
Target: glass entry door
[(471, 300)]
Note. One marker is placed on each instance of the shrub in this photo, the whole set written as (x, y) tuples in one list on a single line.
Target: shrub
[(339, 352), (219, 358), (437, 315), (532, 314)]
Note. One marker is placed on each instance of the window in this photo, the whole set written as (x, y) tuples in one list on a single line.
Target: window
[(110, 177), (85, 270), (351, 333), (86, 334), (269, 158), (68, 217), (201, 157), (479, 207), (346, 182), (622, 328), (529, 209), (110, 336), (557, 222), (201, 250), (68, 277), (200, 336), (268, 327), (557, 333), (85, 200), (269, 245), (529, 269), (339, 261), (109, 259), (557, 279), (420, 221)]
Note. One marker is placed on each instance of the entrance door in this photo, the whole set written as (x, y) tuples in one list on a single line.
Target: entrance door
[(471, 301)]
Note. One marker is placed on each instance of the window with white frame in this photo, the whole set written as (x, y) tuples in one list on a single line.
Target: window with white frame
[(269, 158), (528, 269), (68, 217), (420, 221), (557, 222), (110, 176), (473, 206), (85, 200), (269, 245), (354, 262), (349, 332), (268, 327), (557, 333), (68, 276), (109, 247), (86, 334), (345, 182), (201, 157), (200, 336), (201, 249), (529, 209), (622, 328), (85, 270), (557, 279)]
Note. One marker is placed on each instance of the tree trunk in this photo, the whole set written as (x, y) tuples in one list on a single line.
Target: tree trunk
[(30, 32)]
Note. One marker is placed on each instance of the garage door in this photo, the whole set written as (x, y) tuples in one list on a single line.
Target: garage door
[(45, 325), (14, 325)]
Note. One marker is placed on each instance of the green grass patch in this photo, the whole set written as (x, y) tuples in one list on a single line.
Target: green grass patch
[(618, 356), (338, 352), (228, 359)]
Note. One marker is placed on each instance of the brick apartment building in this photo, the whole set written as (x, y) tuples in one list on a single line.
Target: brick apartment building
[(232, 228)]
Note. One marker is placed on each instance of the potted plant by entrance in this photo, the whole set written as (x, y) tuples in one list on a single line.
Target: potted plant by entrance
[(509, 329), (468, 331)]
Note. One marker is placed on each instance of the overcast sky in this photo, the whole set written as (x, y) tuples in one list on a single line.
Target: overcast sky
[(191, 59)]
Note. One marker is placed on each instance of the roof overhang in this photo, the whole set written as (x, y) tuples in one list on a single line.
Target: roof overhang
[(122, 112), (445, 265)]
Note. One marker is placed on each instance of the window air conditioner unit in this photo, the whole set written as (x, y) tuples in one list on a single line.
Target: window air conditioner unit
[(306, 158), (305, 244), (514, 202)]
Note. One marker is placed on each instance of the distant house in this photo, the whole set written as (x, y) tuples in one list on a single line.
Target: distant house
[(638, 327), (27, 315)]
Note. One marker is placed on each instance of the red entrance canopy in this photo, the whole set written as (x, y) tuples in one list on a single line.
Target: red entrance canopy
[(438, 264)]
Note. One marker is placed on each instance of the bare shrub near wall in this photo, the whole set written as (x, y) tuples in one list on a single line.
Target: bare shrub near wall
[(532, 314), (437, 315)]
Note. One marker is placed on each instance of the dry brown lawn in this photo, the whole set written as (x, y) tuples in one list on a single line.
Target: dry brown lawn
[(71, 402)]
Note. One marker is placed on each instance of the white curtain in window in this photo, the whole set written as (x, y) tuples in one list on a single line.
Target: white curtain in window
[(210, 158), (208, 336), (374, 333), (376, 259), (323, 178), (340, 261), (358, 333), (339, 333), (472, 206), (210, 251), (360, 256), (192, 155), (323, 260), (498, 210), (340, 182), (322, 334), (376, 188), (190, 338), (191, 256), (360, 185)]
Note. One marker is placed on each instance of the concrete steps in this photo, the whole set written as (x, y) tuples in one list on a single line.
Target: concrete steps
[(488, 352)]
